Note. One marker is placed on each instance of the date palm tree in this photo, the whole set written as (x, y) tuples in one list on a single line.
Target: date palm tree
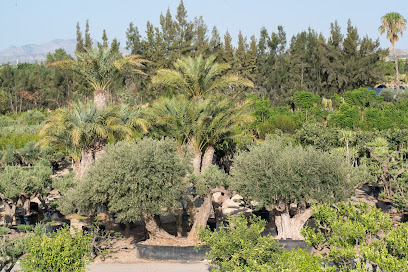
[(393, 24), (99, 68), (82, 131), (197, 76), (202, 124)]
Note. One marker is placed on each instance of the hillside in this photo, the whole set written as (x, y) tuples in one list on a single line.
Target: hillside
[(33, 52)]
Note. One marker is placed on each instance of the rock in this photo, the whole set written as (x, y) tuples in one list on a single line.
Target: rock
[(233, 206), (362, 196)]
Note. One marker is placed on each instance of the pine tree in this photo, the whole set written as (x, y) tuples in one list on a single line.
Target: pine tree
[(240, 55), (336, 38), (133, 42), (250, 60), (184, 32), (200, 43), (115, 46), (104, 43), (104, 39), (88, 40), (351, 42), (79, 48), (228, 50), (215, 42), (148, 44)]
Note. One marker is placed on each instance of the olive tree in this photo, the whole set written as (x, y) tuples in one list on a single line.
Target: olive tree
[(18, 185), (288, 178), (134, 181)]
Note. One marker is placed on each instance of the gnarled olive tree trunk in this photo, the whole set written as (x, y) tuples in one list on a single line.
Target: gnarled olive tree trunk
[(154, 230), (201, 217), (9, 212), (288, 226)]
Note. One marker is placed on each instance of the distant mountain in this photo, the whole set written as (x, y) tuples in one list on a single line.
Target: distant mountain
[(33, 52)]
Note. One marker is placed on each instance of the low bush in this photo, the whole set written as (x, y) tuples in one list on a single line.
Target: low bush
[(60, 251)]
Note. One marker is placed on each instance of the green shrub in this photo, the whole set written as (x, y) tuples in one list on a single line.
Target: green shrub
[(25, 228), (349, 233), (17, 140), (11, 249), (240, 246), (61, 251), (285, 124), (6, 121), (32, 117)]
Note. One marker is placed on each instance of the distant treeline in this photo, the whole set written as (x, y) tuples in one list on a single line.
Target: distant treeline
[(278, 66)]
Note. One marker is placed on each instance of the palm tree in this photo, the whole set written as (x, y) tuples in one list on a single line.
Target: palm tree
[(394, 25), (82, 131), (99, 67), (202, 124), (177, 117), (198, 76)]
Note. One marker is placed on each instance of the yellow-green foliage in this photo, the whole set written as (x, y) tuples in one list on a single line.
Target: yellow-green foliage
[(60, 251)]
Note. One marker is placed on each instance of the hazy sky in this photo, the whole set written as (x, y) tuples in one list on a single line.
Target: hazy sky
[(39, 21)]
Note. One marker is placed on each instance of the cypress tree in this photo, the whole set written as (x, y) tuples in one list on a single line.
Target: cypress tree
[(88, 40), (104, 39), (79, 48)]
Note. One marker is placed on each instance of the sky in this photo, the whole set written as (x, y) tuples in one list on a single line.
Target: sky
[(39, 21)]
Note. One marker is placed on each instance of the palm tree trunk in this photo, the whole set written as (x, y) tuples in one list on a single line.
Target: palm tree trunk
[(207, 158), (100, 99), (396, 67), (196, 160), (87, 160)]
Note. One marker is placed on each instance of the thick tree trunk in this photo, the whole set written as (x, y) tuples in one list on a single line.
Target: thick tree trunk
[(9, 211), (100, 99), (201, 218), (87, 160), (154, 230), (196, 160), (290, 227), (207, 158)]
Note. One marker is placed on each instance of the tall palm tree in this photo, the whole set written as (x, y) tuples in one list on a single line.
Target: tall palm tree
[(198, 76), (394, 25), (99, 67)]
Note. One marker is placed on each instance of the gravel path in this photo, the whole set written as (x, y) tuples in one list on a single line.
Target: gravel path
[(147, 267), (151, 267)]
